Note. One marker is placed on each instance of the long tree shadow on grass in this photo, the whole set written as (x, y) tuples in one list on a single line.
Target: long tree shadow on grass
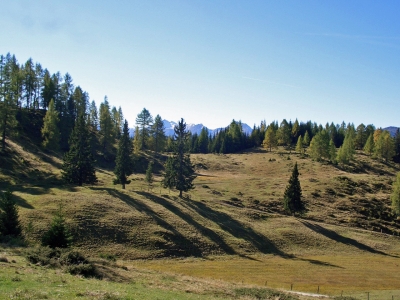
[(189, 219), (224, 221), (183, 246), (341, 239)]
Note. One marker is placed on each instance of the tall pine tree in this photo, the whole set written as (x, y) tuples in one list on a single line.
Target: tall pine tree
[(78, 166), (179, 172), (124, 164), (292, 202)]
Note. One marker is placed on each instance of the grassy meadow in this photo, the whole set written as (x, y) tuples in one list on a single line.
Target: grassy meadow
[(226, 235)]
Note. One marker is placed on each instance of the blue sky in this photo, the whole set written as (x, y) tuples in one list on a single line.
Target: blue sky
[(213, 61)]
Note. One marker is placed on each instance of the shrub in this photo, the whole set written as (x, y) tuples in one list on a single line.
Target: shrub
[(86, 270)]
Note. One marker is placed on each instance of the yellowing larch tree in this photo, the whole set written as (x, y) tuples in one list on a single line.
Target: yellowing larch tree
[(50, 132)]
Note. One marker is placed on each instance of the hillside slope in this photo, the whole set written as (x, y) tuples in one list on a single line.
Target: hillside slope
[(235, 208)]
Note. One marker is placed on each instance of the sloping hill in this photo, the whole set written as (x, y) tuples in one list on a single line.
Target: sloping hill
[(235, 209)]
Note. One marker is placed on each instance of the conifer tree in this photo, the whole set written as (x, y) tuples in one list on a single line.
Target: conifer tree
[(58, 235), (306, 139), (395, 196), (144, 120), (158, 135), (149, 174), (319, 146), (9, 219), (136, 141), (369, 145), (332, 151), (299, 146), (124, 164), (107, 129), (270, 138), (385, 147), (292, 202), (50, 132), (78, 166), (179, 172)]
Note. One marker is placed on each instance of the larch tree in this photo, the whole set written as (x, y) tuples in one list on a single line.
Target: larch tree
[(50, 132), (144, 120), (332, 151), (136, 141), (270, 140), (299, 145), (292, 201), (149, 174), (124, 164), (395, 196), (385, 146), (78, 167), (369, 145), (306, 139), (179, 172), (106, 126), (319, 146)]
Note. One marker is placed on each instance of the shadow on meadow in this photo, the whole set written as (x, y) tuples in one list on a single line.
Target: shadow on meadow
[(340, 239)]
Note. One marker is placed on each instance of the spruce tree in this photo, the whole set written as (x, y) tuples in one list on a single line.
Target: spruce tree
[(158, 135), (78, 166), (124, 164), (9, 220), (50, 132), (179, 172), (292, 202), (58, 235)]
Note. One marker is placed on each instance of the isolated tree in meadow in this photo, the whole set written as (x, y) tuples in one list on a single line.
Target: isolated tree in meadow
[(149, 174), (9, 219), (292, 202), (78, 166), (50, 132), (144, 120), (270, 140), (58, 235), (179, 172), (124, 164), (395, 196), (369, 145)]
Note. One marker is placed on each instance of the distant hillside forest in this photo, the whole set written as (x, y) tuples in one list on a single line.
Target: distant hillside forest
[(45, 107)]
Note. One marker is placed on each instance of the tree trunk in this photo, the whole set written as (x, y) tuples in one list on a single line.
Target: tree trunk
[(123, 185), (180, 194)]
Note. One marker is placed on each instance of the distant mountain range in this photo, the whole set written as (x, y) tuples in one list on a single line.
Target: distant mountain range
[(392, 130), (193, 128), (196, 128)]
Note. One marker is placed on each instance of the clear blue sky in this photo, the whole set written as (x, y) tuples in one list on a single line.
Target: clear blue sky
[(213, 61)]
